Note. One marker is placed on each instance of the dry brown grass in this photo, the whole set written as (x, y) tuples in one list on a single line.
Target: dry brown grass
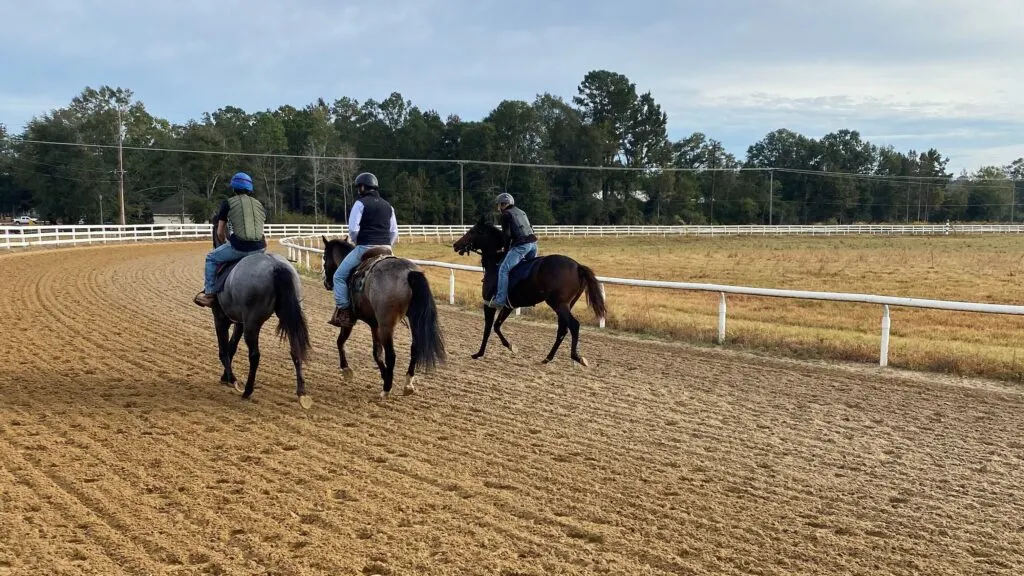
[(978, 269)]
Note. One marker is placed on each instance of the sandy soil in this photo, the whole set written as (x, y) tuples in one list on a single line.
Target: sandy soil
[(120, 453)]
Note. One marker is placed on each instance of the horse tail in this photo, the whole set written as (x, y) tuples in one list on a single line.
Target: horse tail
[(595, 299), (291, 320), (426, 332)]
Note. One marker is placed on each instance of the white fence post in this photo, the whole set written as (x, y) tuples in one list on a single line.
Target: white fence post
[(883, 358), (721, 317), (451, 287), (601, 321)]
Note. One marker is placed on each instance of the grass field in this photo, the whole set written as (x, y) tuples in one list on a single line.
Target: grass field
[(978, 269)]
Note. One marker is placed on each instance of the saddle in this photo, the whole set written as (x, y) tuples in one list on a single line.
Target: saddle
[(221, 275), (369, 260), (517, 274)]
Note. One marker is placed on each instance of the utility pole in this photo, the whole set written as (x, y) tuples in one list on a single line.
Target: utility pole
[(462, 181), (120, 161), (771, 194)]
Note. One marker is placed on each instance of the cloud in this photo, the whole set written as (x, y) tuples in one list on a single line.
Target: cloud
[(940, 73)]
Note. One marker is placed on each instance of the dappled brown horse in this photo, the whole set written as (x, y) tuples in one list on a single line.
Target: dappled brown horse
[(556, 280), (392, 289)]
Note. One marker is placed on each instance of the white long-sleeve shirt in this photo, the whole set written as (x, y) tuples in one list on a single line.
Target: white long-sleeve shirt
[(355, 216)]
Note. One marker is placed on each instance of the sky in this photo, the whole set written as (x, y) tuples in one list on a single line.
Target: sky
[(907, 73)]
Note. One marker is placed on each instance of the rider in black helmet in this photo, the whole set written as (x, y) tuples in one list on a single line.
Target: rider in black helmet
[(371, 223), (520, 244)]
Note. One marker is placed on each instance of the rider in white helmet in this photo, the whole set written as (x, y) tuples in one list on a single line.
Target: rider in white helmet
[(520, 244)]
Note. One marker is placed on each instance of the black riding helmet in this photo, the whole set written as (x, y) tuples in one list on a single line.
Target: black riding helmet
[(366, 179)]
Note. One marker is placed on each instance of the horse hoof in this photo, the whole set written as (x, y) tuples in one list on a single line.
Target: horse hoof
[(512, 349), (584, 362), (383, 396), (239, 387), (409, 388), (348, 373), (476, 356), (305, 401), (545, 361)]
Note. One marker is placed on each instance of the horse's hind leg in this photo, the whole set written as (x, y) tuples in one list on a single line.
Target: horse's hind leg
[(502, 316), (385, 333), (563, 329), (300, 383), (378, 349), (410, 374), (574, 329), (252, 342)]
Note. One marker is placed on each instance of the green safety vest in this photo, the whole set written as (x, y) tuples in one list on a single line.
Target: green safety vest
[(246, 217)]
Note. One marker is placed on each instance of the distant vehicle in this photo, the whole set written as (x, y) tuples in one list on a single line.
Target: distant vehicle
[(24, 220)]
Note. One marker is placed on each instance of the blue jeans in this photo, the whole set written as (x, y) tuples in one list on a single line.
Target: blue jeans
[(515, 255), (341, 275), (220, 255)]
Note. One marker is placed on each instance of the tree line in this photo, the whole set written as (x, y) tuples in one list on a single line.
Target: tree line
[(607, 153)]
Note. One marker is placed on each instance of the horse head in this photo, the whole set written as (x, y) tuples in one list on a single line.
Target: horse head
[(334, 252), (482, 238)]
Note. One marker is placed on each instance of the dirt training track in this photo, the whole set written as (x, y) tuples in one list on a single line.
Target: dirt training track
[(120, 453)]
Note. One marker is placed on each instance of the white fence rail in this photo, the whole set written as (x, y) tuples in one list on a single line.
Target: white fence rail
[(57, 235), (300, 249)]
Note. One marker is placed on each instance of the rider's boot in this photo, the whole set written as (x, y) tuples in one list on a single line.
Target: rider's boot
[(342, 318), (204, 299)]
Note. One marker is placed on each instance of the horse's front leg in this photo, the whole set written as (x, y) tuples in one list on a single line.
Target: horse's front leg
[(488, 322), (502, 316), (224, 349), (346, 371)]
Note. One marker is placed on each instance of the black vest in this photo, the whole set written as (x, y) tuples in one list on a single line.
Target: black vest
[(375, 223), (519, 228)]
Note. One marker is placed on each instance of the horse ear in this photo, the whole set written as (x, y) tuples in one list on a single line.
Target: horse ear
[(326, 241)]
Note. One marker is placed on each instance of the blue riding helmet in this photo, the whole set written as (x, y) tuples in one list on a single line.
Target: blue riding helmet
[(241, 181)]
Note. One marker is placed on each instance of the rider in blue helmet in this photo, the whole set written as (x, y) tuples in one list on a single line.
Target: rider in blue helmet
[(246, 215)]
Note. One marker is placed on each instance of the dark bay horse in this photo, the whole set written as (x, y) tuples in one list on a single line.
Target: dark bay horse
[(556, 280), (392, 288), (254, 288)]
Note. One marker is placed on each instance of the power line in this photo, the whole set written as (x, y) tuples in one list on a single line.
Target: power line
[(652, 169)]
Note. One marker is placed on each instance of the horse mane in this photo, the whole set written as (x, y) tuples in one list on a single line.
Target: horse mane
[(492, 235)]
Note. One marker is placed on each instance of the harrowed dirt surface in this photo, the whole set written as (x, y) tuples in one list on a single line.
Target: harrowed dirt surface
[(121, 454)]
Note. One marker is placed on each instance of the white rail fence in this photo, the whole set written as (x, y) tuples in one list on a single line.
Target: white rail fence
[(59, 235), (300, 250)]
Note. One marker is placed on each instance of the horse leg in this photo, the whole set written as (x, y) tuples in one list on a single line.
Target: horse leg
[(385, 333), (378, 349), (346, 371), (300, 383), (410, 374), (502, 316), (563, 329), (252, 342), (224, 352), (574, 329), (488, 322)]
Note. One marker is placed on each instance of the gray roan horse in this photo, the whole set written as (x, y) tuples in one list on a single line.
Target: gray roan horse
[(392, 288), (256, 287)]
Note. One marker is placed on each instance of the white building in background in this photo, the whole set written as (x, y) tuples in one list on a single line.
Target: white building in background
[(171, 211)]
